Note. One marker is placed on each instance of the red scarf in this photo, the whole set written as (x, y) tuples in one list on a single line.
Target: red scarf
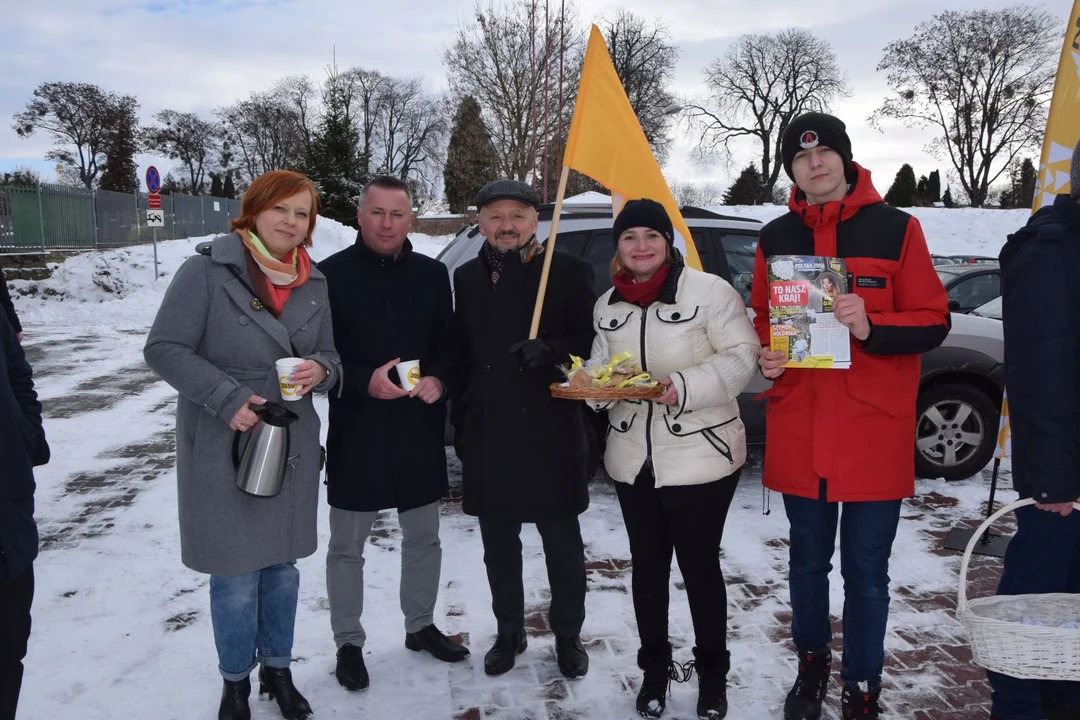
[(643, 293), (274, 296)]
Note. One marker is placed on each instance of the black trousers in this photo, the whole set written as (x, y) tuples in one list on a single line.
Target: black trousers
[(688, 520), (564, 552), (15, 599)]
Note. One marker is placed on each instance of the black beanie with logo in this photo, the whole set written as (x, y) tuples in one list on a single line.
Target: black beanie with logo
[(810, 130), (643, 213)]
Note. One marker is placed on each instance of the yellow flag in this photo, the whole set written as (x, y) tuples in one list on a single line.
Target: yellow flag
[(1004, 436), (606, 142), (1063, 125)]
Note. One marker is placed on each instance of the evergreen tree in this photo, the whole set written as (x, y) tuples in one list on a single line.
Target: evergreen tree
[(121, 173), (947, 200), (21, 177), (748, 188), (216, 189), (334, 163), (920, 191), (1021, 190), (904, 191), (229, 190), (471, 160), (933, 188)]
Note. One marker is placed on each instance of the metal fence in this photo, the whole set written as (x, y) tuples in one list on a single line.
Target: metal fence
[(57, 217)]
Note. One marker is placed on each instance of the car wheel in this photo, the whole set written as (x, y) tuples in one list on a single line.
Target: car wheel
[(955, 431)]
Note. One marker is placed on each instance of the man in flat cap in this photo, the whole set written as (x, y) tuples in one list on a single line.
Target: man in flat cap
[(523, 452)]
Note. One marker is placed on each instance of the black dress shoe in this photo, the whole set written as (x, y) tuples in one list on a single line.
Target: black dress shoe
[(351, 671), (573, 660), (234, 700), (500, 658), (278, 684), (432, 640)]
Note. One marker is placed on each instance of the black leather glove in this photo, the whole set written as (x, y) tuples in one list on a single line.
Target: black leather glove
[(533, 354)]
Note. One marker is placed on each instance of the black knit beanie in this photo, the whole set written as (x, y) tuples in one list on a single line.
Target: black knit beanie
[(810, 130), (643, 213)]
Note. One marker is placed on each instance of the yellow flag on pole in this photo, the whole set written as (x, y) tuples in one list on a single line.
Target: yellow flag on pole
[(1004, 436), (1063, 125), (606, 142)]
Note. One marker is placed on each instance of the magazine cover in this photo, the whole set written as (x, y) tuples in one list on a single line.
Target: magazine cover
[(801, 321)]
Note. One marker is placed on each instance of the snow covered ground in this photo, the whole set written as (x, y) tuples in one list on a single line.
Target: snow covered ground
[(122, 629)]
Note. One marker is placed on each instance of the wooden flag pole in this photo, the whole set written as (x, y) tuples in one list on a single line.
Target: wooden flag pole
[(549, 252)]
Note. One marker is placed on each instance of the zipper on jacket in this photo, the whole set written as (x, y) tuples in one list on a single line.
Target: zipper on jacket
[(645, 368)]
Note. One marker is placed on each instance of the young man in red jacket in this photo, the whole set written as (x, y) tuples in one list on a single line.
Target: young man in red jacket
[(845, 437)]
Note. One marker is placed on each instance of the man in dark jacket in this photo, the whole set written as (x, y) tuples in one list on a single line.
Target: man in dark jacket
[(1041, 313), (23, 446), (385, 443), (523, 452), (9, 307), (845, 437)]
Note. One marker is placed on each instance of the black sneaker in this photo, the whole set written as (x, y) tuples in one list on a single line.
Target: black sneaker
[(351, 671), (860, 702), (436, 643), (573, 660), (806, 695)]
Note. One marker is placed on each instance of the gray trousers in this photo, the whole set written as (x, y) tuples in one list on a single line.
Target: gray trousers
[(421, 563)]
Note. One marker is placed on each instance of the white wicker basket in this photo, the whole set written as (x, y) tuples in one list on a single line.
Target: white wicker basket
[(1002, 642)]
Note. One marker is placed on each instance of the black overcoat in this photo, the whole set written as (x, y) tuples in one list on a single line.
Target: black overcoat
[(387, 453), (523, 452), (22, 446)]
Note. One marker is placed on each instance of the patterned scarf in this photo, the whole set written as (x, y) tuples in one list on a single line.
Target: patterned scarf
[(496, 258), (274, 279)]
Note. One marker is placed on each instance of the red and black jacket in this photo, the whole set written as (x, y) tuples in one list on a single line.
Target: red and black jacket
[(855, 428)]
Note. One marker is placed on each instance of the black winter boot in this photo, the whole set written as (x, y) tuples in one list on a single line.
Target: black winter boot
[(804, 700), (278, 684), (712, 669), (860, 702), (659, 670), (234, 700)]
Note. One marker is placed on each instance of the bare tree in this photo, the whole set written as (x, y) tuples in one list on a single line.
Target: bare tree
[(185, 137), (696, 194), (758, 87), (644, 58), (521, 61), (370, 88), (412, 131), (980, 78), (260, 134), (79, 117), (299, 92)]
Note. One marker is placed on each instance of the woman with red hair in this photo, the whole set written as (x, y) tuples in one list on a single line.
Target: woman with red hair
[(246, 300)]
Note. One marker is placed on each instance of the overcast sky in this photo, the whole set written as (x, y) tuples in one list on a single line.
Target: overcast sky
[(194, 55)]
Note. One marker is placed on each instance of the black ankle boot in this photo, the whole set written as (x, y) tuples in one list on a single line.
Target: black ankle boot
[(804, 700), (659, 672), (234, 700), (278, 684), (712, 669), (860, 702)]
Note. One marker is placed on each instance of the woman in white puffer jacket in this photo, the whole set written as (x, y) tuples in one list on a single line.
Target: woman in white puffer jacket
[(675, 460)]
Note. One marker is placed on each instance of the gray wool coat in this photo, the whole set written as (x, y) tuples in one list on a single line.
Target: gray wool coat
[(210, 344)]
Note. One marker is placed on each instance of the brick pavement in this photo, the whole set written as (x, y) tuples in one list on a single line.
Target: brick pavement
[(929, 674)]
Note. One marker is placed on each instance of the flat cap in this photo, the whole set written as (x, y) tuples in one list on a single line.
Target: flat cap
[(506, 190)]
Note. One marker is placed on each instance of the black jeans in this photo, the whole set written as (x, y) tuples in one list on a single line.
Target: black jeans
[(564, 552), (15, 599), (688, 520)]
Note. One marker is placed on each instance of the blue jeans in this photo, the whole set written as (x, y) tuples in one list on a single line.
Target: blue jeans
[(1043, 557), (254, 615), (867, 530)]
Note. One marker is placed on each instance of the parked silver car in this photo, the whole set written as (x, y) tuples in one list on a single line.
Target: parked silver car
[(960, 392)]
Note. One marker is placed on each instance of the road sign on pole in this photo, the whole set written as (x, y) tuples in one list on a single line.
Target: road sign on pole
[(155, 218), (153, 201), (153, 180)]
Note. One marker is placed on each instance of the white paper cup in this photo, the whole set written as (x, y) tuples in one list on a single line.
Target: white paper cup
[(408, 373), (289, 389)]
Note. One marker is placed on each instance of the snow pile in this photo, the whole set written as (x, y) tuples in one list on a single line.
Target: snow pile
[(116, 288)]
